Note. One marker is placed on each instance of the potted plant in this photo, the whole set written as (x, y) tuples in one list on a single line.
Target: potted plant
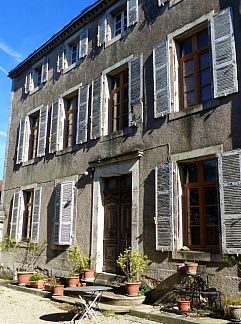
[(191, 268), (37, 280), (56, 287), (132, 263), (184, 304), (232, 308), (72, 280)]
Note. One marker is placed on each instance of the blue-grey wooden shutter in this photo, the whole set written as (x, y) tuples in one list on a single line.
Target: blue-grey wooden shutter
[(83, 104), (132, 12), (44, 75), (15, 216), (230, 201), (96, 107), (66, 213), (43, 121), (60, 61), (57, 202), (83, 44), (164, 201), (161, 80), (101, 36), (54, 127), (36, 214), (26, 85), (21, 137), (223, 54)]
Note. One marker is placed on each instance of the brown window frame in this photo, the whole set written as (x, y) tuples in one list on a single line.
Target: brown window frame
[(68, 112), (33, 137), (27, 217), (201, 184)]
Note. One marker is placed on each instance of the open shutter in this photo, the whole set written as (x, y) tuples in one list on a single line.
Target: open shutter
[(32, 80), (83, 104), (102, 27), (15, 216), (61, 123), (66, 213), (223, 54), (163, 217), (43, 121), (21, 137), (230, 201), (26, 85), (96, 107), (132, 12), (60, 61), (44, 75), (161, 82), (57, 192), (36, 214), (54, 127), (83, 45), (162, 2)]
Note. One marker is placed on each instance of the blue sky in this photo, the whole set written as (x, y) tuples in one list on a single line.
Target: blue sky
[(24, 26)]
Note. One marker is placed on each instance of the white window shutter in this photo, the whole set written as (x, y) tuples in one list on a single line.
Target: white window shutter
[(132, 12), (83, 104), (42, 132), (96, 107), (57, 202), (36, 214), (60, 60), (223, 54), (44, 74), (61, 124), (102, 29), (161, 80), (27, 133), (26, 85), (83, 45), (54, 127), (229, 167), (31, 80), (162, 2), (21, 132), (15, 216), (164, 206)]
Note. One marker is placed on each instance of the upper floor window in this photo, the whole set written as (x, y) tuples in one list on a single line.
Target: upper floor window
[(120, 22), (71, 109), (74, 53), (195, 69), (33, 135), (37, 76)]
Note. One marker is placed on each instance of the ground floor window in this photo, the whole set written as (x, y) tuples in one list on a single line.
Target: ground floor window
[(200, 204)]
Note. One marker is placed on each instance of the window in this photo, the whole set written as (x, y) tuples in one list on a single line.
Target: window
[(71, 109), (37, 76), (119, 101), (27, 214), (33, 135), (201, 211), (195, 70), (74, 53), (120, 22)]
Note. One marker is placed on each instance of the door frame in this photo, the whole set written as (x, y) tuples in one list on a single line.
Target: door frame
[(97, 238)]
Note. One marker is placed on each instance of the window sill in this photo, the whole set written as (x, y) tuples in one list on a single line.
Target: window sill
[(67, 150), (71, 67), (29, 162), (197, 256), (194, 109), (120, 133), (36, 89), (117, 38)]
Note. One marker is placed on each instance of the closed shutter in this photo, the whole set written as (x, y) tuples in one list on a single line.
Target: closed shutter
[(21, 137), (43, 121), (54, 127), (83, 45), (101, 37), (163, 217), (44, 75), (132, 12), (57, 201), (223, 54), (230, 201), (60, 60), (15, 216), (96, 107), (83, 104), (36, 214)]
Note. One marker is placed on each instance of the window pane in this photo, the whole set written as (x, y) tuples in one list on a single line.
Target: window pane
[(202, 39), (206, 93), (115, 81), (188, 67), (210, 170), (204, 60), (186, 46), (205, 77), (211, 196), (189, 99), (194, 216), (193, 197), (194, 236), (211, 215), (192, 173), (212, 236), (188, 83)]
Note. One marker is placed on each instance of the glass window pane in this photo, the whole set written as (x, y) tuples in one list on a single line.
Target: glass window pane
[(194, 216), (204, 60), (211, 195), (205, 77), (202, 39), (193, 197), (210, 170), (212, 236), (194, 238), (188, 67), (192, 173), (211, 215), (206, 93), (188, 83), (189, 99), (186, 46)]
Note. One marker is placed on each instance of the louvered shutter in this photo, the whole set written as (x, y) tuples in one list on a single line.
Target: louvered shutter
[(230, 201), (36, 214), (31, 81), (15, 216), (57, 202), (96, 107), (83, 45), (163, 199), (43, 121), (60, 61), (66, 213), (21, 137), (83, 104), (101, 37), (61, 123), (132, 12), (161, 80), (26, 86), (223, 54), (54, 127), (44, 75)]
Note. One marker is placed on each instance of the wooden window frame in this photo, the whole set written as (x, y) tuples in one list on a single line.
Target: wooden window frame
[(27, 218), (73, 111), (33, 140), (201, 184), (123, 13)]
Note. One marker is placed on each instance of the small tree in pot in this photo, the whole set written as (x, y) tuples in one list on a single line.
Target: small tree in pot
[(132, 263)]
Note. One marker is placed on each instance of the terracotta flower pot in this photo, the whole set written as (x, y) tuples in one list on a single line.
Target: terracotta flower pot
[(184, 305), (89, 274), (58, 290), (132, 288), (23, 277), (72, 281), (181, 268), (39, 284), (191, 268)]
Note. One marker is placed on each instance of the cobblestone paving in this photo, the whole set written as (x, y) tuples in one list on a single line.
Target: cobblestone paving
[(23, 308)]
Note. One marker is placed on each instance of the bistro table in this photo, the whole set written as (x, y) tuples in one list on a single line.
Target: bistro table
[(89, 296)]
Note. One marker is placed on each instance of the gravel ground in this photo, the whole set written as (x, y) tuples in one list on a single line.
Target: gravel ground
[(23, 308)]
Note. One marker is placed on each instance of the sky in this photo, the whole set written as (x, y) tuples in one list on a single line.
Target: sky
[(24, 26)]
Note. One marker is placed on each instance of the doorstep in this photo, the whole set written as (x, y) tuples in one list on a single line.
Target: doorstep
[(34, 291)]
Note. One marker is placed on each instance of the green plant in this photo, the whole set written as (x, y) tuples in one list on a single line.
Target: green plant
[(233, 260), (228, 300), (53, 282), (33, 252), (144, 289), (7, 243), (132, 263), (37, 276), (78, 258)]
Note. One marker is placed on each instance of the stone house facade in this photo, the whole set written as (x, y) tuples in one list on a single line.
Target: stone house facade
[(125, 131)]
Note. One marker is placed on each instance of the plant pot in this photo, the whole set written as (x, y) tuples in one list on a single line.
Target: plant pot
[(191, 268), (23, 277), (132, 288), (234, 313), (89, 274), (181, 268), (72, 281), (48, 288), (184, 305), (58, 290), (39, 284)]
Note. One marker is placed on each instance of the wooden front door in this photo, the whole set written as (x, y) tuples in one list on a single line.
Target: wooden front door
[(117, 228)]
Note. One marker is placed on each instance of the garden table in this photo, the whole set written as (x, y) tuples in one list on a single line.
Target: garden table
[(90, 297)]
